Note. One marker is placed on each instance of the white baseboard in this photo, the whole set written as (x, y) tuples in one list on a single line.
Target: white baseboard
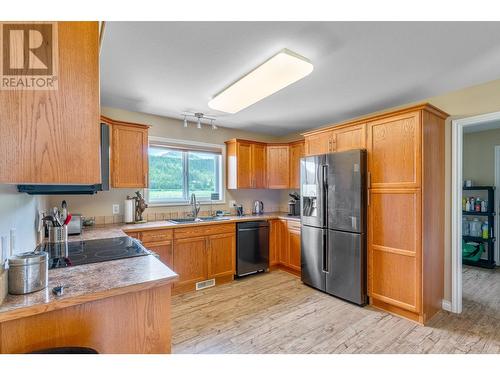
[(446, 305)]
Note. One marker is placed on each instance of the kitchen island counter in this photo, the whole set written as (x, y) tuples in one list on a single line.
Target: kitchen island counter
[(119, 306)]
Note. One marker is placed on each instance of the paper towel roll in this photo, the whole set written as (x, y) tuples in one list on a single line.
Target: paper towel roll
[(129, 211)]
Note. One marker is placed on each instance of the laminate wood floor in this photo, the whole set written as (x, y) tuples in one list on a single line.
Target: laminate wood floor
[(276, 313)]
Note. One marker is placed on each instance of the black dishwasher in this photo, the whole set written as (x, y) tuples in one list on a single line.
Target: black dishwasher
[(252, 247)]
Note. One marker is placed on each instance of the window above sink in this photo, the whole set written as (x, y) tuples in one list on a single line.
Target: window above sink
[(177, 169)]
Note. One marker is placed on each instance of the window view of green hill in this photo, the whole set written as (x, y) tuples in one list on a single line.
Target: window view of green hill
[(167, 170)]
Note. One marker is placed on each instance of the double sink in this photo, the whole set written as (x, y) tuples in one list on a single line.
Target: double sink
[(197, 220)]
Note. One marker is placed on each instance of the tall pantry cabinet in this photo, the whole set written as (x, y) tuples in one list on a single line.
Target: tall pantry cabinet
[(406, 211)]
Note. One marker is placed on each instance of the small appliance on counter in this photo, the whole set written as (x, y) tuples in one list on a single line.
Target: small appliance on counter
[(294, 204), (258, 208), (239, 210), (28, 272), (75, 224)]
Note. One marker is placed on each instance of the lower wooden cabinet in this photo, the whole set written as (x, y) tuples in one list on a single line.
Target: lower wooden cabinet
[(190, 262), (293, 245), (221, 255), (164, 251), (284, 244), (195, 253), (203, 253)]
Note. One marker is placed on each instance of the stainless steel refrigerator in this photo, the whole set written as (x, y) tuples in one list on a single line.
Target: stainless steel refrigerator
[(333, 216)]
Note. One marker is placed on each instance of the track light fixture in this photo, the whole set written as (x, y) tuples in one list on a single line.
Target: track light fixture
[(199, 116)]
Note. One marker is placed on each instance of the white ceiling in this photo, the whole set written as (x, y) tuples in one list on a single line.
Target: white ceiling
[(166, 68)]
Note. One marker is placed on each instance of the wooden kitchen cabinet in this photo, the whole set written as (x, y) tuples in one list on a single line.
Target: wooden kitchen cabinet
[(296, 152), (129, 154), (190, 262), (259, 165), (274, 242), (202, 253), (53, 136), (406, 212), (284, 245), (164, 251), (294, 245), (349, 138), (319, 143), (221, 255), (278, 166), (246, 164)]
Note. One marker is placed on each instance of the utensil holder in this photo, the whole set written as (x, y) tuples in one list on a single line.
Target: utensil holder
[(58, 234)]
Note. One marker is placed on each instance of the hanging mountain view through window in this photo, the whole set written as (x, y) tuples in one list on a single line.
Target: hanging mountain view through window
[(175, 174)]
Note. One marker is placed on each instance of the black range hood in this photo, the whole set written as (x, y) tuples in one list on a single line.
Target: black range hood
[(77, 189)]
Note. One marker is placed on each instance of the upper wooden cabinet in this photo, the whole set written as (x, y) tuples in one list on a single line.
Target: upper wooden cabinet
[(278, 166), (53, 136), (129, 154), (336, 139), (259, 165), (296, 152), (349, 138), (320, 143), (246, 164), (394, 145)]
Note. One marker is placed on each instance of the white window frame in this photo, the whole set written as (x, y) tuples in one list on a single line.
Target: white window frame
[(194, 144)]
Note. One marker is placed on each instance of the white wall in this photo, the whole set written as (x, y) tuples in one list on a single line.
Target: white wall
[(479, 156), (19, 210)]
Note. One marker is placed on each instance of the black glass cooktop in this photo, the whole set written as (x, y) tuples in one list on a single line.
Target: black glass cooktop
[(92, 251)]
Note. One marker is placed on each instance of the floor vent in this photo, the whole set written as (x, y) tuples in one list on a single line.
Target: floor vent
[(205, 284)]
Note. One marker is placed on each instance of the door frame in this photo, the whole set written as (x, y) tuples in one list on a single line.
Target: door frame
[(497, 202), (457, 132)]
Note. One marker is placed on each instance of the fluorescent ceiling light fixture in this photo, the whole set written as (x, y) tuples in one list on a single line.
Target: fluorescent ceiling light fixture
[(281, 70)]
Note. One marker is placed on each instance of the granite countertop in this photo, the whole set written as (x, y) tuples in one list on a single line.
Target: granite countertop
[(95, 281), (117, 230), (89, 282)]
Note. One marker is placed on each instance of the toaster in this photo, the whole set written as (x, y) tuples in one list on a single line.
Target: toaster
[(75, 224)]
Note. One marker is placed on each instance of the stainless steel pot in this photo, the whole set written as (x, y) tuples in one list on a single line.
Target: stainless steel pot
[(28, 272)]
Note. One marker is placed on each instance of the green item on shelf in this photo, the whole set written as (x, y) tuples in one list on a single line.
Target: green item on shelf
[(471, 251)]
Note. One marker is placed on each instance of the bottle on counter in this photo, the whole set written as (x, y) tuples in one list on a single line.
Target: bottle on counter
[(472, 202), (467, 206), (478, 205), (464, 203)]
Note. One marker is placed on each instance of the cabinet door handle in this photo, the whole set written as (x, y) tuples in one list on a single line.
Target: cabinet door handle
[(369, 178)]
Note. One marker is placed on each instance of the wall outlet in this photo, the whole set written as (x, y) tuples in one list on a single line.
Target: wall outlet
[(232, 203), (116, 209)]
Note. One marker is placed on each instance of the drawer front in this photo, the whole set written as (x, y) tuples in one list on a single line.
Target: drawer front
[(157, 235), (204, 230)]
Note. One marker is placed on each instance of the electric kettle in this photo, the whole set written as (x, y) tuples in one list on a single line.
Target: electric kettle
[(258, 208)]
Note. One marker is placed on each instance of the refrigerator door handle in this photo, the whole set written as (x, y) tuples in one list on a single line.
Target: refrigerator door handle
[(324, 245), (324, 191)]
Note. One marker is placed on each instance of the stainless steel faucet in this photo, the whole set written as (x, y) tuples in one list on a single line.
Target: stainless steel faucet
[(195, 206)]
